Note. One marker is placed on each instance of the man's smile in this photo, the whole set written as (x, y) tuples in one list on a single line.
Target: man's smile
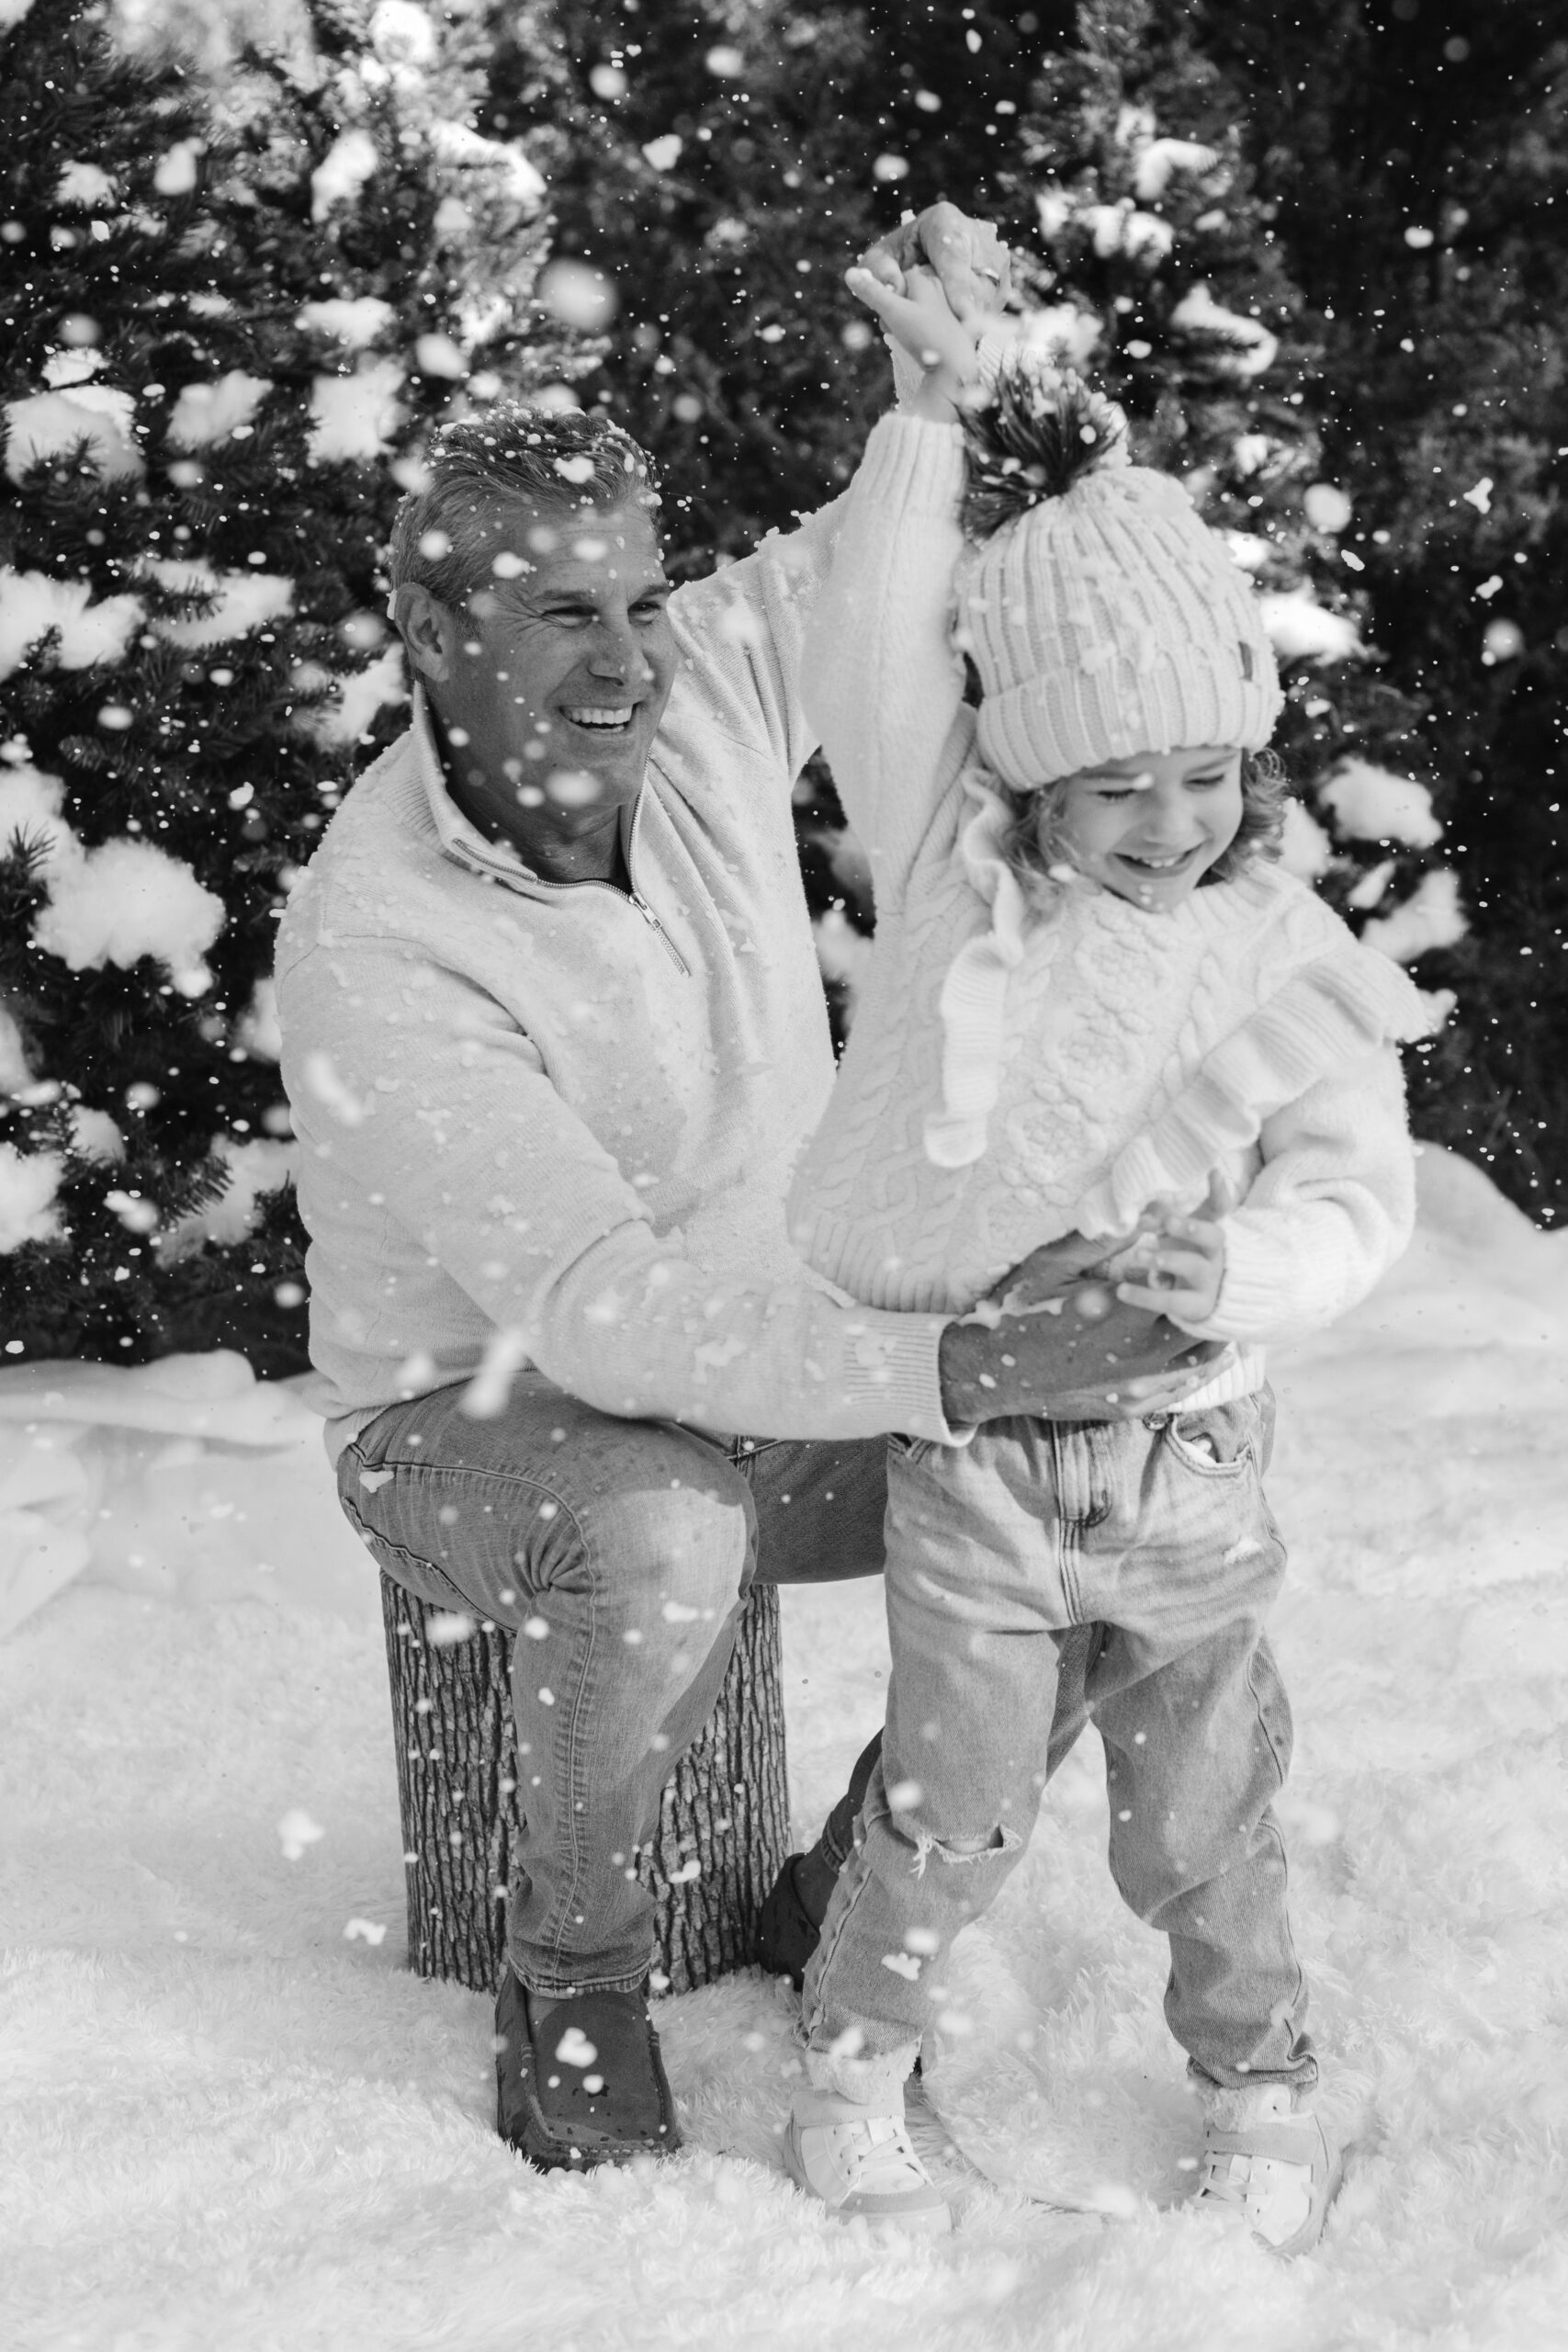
[(604, 718)]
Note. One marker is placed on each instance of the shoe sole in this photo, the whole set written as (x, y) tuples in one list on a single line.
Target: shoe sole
[(925, 2220)]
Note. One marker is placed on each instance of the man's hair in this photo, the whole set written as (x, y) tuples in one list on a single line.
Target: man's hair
[(448, 531)]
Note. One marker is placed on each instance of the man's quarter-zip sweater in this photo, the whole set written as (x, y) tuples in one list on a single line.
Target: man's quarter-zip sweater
[(555, 1125)]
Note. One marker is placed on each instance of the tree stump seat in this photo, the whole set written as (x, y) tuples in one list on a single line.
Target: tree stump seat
[(723, 1825)]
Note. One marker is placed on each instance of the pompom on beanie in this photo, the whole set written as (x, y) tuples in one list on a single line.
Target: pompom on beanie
[(1103, 617)]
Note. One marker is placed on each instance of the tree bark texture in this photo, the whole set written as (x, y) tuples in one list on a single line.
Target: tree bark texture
[(723, 1825)]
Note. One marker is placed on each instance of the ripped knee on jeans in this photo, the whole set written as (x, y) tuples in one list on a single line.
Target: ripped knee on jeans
[(956, 1851)]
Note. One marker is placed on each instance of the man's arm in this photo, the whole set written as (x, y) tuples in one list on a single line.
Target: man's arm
[(494, 1179), (743, 627), (1116, 1363)]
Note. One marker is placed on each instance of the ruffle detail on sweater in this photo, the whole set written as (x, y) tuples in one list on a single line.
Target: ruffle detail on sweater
[(1346, 1003), (973, 1003)]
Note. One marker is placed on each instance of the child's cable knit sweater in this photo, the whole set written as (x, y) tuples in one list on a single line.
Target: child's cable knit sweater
[(1015, 1075)]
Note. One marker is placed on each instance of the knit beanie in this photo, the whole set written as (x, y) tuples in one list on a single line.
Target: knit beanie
[(1102, 615)]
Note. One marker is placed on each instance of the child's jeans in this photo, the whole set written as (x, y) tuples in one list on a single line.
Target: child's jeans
[(1159, 1533)]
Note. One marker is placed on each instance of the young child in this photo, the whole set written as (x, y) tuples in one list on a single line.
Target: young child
[(1095, 1006)]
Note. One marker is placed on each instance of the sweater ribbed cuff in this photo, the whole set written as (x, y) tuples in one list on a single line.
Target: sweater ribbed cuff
[(914, 464), (1250, 1306), (891, 1372)]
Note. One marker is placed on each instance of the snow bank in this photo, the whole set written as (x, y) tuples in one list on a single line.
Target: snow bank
[(229, 2097), (188, 1478)]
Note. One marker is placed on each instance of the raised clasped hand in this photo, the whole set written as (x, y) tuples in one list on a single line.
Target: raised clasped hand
[(919, 319), (966, 256)]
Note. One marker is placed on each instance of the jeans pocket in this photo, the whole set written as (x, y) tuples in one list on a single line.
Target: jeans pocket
[(412, 1570), (1220, 1441)]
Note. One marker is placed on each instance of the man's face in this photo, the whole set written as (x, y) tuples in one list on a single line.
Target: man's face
[(553, 680)]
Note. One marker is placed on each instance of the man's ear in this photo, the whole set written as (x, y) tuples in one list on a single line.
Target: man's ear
[(429, 631)]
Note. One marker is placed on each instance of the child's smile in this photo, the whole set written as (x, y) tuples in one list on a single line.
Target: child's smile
[(1149, 826)]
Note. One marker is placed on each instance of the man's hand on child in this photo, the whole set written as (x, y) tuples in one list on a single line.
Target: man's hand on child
[(1054, 1340), (1175, 1268)]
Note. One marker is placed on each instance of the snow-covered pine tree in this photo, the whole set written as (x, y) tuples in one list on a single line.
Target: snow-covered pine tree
[(721, 167), (231, 305), (1159, 268), (1419, 160)]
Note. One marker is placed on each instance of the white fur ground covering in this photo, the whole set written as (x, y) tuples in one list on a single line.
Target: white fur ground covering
[(227, 2124)]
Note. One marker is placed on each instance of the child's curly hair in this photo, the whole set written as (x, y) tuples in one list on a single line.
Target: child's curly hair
[(1036, 852)]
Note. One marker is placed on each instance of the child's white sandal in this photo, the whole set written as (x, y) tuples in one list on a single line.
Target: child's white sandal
[(1278, 2171)]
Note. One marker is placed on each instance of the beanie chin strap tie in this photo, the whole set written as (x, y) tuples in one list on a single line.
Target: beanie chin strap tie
[(973, 1003)]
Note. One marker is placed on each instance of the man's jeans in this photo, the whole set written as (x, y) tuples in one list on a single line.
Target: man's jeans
[(620, 1552), (1160, 1533)]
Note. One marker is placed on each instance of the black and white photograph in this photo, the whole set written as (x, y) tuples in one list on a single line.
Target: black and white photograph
[(784, 1148)]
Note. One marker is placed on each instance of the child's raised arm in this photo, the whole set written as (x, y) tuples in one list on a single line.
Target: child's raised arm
[(882, 680)]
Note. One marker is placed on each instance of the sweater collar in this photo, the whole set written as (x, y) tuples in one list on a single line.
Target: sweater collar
[(459, 838)]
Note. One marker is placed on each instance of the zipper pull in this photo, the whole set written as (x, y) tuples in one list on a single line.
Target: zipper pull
[(651, 920)]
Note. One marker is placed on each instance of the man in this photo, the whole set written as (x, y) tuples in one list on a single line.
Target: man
[(554, 1037)]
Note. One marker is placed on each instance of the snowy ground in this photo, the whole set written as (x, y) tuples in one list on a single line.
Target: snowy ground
[(230, 2120)]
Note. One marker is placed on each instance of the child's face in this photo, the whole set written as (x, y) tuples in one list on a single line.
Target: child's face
[(1149, 826)]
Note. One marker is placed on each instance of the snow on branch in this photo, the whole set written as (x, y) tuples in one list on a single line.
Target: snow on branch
[(205, 414), (30, 1185), (354, 418), (1301, 629), (242, 601), (1432, 917), (1371, 804), (33, 606), (1244, 346), (116, 903), (91, 418)]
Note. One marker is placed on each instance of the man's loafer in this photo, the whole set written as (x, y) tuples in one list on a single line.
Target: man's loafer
[(584, 2085)]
